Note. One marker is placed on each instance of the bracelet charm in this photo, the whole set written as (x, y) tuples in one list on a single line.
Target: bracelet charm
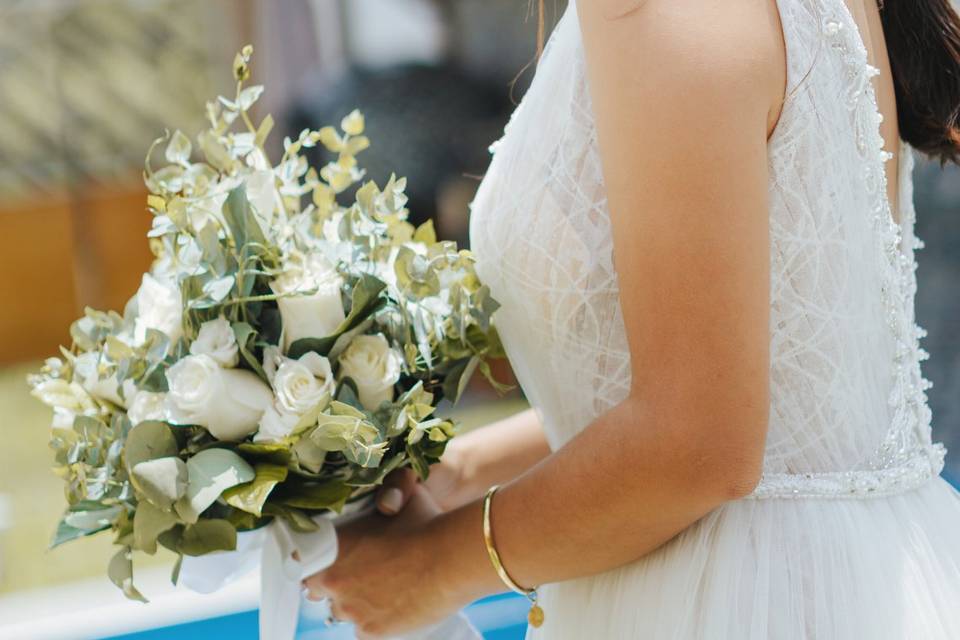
[(535, 616)]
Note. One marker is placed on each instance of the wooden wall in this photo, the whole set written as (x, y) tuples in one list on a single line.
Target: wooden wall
[(62, 251)]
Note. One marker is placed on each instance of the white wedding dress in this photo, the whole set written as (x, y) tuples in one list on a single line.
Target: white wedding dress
[(851, 534)]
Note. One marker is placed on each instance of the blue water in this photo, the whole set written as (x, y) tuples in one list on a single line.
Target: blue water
[(499, 617)]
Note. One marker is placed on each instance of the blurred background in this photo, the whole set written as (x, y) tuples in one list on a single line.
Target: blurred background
[(86, 85)]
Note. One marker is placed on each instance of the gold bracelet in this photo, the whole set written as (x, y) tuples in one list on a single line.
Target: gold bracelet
[(535, 615)]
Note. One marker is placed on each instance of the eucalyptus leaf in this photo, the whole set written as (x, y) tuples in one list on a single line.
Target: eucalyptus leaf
[(297, 519), (465, 376), (266, 452), (207, 536), (120, 572), (179, 149), (91, 520), (330, 495), (415, 273), (418, 461), (248, 96), (240, 219), (497, 385), (211, 472), (175, 572), (244, 521), (162, 481), (148, 523), (309, 455), (66, 533), (263, 131), (244, 334), (170, 539), (426, 233), (251, 496), (347, 393), (219, 288), (365, 477), (148, 440)]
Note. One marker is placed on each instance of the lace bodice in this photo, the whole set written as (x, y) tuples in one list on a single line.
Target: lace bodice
[(848, 410)]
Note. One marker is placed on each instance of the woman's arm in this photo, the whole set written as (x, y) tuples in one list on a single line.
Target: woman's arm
[(683, 111), (494, 454), (684, 93)]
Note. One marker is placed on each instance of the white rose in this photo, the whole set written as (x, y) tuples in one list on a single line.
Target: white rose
[(158, 307), (217, 340), (228, 402), (318, 311), (301, 384), (146, 405), (275, 425), (272, 359), (373, 366)]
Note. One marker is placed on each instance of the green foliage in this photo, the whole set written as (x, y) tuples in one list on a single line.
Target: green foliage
[(251, 496), (211, 472), (207, 536), (315, 496), (148, 523)]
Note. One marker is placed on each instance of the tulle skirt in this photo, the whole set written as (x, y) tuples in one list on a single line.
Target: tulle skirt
[(783, 569)]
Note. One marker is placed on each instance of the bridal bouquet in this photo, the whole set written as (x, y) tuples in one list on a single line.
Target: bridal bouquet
[(283, 354)]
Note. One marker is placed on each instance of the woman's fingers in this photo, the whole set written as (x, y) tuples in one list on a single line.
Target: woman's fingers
[(393, 495), (314, 587)]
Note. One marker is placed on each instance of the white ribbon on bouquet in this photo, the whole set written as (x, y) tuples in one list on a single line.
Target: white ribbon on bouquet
[(272, 547)]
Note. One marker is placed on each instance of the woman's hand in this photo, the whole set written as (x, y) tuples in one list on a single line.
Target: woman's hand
[(388, 578), (444, 484), (495, 454)]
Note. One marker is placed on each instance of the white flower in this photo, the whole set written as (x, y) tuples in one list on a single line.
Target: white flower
[(146, 405), (228, 402), (67, 397), (272, 359), (275, 425), (87, 371), (217, 340), (373, 366), (318, 310), (301, 384), (158, 307), (62, 419)]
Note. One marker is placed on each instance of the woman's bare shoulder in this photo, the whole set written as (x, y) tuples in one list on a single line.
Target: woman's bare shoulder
[(725, 45)]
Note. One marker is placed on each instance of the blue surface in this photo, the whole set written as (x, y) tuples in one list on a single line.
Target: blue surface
[(499, 617), (949, 478)]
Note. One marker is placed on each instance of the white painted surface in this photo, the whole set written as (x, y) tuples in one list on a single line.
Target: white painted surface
[(100, 609)]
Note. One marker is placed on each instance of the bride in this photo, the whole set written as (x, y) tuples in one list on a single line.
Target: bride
[(699, 223)]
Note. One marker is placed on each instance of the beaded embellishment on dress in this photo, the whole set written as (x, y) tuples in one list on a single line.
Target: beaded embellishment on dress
[(906, 458)]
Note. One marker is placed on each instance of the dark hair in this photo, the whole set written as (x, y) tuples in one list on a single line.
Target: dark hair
[(923, 43)]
